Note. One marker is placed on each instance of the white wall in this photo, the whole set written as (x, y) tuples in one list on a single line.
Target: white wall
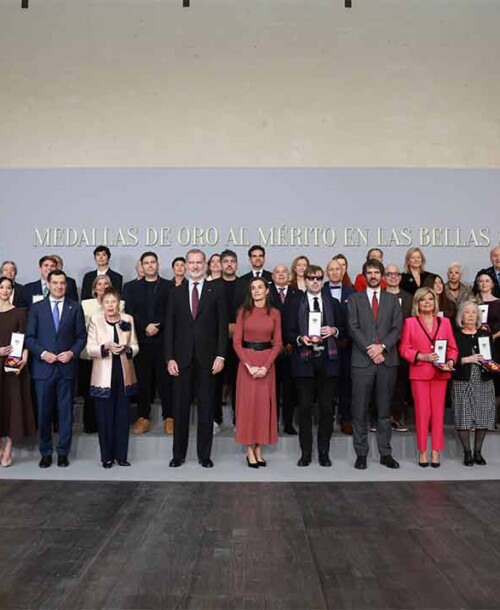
[(142, 83)]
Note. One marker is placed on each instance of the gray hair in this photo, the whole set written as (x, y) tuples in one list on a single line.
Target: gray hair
[(460, 314)]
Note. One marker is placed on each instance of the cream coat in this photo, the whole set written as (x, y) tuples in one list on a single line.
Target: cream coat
[(99, 333)]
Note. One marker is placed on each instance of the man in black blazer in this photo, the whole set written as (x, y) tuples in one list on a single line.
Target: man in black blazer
[(375, 321), (281, 295), (146, 303), (102, 255), (315, 362), (493, 272), (196, 334), (39, 289), (9, 269), (257, 259)]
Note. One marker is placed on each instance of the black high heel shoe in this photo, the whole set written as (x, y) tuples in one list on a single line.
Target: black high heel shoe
[(252, 464), (262, 463)]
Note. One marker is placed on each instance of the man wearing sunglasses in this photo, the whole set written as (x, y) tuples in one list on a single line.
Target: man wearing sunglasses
[(315, 361)]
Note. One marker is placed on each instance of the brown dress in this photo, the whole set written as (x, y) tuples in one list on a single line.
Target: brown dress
[(256, 416), (16, 411)]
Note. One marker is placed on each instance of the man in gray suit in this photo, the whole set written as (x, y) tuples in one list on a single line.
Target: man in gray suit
[(375, 321)]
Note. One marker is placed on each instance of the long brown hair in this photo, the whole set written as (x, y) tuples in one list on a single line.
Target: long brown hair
[(248, 303), (293, 272)]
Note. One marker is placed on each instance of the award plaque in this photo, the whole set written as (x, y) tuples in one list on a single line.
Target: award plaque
[(484, 312), (314, 328), (13, 360), (440, 346), (485, 348)]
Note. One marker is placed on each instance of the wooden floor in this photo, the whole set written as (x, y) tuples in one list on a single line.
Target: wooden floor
[(70, 545)]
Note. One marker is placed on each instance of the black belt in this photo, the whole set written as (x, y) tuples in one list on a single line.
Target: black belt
[(258, 346)]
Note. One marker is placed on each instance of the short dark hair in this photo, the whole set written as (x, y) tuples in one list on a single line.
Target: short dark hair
[(254, 248), (227, 253), (47, 257), (178, 259), (2, 279), (314, 269), (373, 262), (149, 253), (104, 249), (56, 272), (375, 249)]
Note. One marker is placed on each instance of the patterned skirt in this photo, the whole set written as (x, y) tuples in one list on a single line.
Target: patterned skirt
[(473, 402)]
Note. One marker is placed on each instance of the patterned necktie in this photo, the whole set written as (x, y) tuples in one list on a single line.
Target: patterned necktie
[(55, 315), (375, 306), (282, 294), (195, 300), (45, 289)]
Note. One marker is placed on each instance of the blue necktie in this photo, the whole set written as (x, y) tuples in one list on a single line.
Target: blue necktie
[(55, 315)]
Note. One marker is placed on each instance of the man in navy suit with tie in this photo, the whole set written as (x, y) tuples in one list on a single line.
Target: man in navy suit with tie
[(55, 336), (196, 334), (39, 289)]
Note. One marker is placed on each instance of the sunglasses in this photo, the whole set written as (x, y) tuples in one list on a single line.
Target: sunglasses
[(313, 278)]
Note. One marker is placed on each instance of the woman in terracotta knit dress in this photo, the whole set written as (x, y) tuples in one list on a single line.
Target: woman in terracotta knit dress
[(257, 342)]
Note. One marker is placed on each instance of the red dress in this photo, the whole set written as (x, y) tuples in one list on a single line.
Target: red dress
[(256, 417)]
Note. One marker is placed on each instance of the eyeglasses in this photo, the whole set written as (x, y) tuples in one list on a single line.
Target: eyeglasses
[(393, 274), (317, 278)]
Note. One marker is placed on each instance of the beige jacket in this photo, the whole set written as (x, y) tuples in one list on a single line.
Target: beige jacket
[(99, 333)]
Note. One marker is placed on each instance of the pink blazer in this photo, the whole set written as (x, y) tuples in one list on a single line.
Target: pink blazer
[(415, 339)]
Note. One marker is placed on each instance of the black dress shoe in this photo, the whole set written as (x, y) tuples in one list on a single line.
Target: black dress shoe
[(324, 459), (468, 459), (46, 461), (479, 459), (206, 463), (62, 461), (360, 463), (389, 461), (262, 463), (290, 430), (123, 463), (423, 464), (175, 463), (252, 464), (107, 464), (304, 460)]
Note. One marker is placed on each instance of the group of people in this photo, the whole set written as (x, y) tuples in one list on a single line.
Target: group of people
[(280, 342)]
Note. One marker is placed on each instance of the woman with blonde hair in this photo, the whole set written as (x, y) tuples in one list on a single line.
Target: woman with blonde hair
[(414, 273)]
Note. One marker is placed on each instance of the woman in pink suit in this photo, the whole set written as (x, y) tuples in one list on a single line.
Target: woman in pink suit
[(428, 380), (257, 342)]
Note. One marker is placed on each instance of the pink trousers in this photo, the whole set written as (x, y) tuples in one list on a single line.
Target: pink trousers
[(429, 396)]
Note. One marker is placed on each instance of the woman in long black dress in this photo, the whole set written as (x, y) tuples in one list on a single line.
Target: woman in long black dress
[(16, 411)]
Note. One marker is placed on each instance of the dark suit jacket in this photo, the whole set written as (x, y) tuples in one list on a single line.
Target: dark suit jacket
[(19, 299), (345, 293), (41, 336), (35, 289), (88, 280), (137, 306), (242, 286), (188, 341), (305, 368), (364, 330), (274, 297)]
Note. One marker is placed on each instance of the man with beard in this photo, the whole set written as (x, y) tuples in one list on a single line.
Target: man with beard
[(375, 320)]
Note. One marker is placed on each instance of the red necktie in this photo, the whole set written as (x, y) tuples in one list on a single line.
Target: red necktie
[(195, 301), (375, 306)]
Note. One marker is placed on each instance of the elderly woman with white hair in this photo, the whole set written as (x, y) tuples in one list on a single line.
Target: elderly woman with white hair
[(472, 389), (456, 291)]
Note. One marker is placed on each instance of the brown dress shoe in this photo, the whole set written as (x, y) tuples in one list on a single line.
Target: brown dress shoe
[(346, 427), (141, 425), (168, 426)]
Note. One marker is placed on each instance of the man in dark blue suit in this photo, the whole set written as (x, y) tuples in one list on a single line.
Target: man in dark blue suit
[(39, 289), (55, 336)]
